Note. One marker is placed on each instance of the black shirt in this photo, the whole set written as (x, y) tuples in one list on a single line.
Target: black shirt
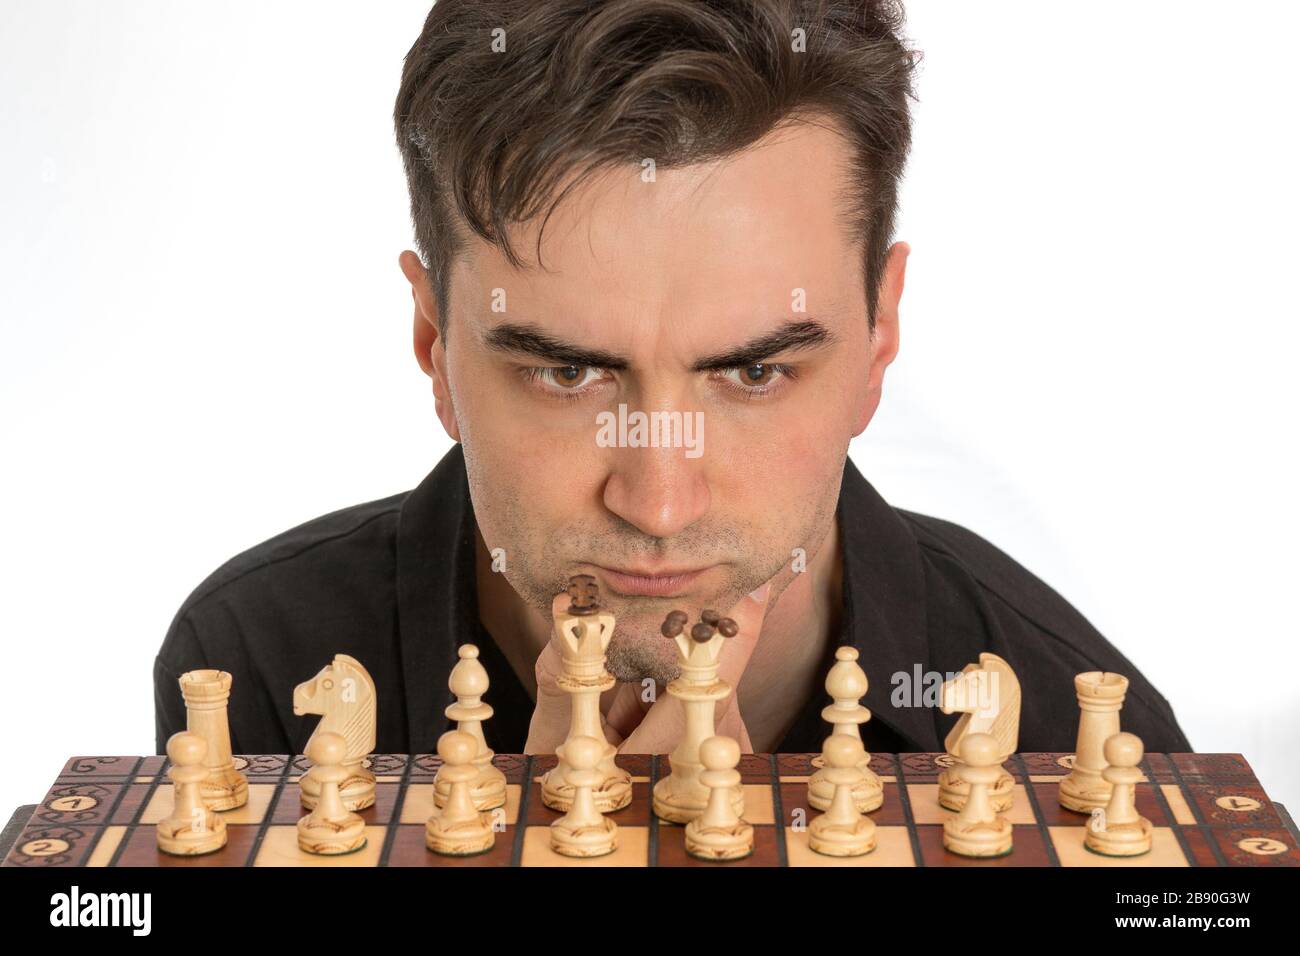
[(392, 583)]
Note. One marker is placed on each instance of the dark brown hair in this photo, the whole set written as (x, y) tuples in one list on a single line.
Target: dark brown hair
[(488, 137)]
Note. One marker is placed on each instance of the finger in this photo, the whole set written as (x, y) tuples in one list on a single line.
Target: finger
[(730, 724), (748, 613), (549, 724), (626, 709), (551, 714), (660, 729)]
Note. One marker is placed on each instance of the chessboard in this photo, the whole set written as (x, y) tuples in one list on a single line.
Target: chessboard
[(1207, 810)]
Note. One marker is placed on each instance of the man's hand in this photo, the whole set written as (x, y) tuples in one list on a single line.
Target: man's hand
[(552, 713), (636, 726)]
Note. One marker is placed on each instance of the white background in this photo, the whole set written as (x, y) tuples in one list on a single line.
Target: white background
[(205, 338)]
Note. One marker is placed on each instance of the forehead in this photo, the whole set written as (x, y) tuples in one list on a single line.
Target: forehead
[(736, 234)]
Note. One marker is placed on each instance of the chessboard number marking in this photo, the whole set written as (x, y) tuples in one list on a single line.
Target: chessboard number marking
[(1262, 846), (1239, 804), (1066, 761), (51, 847), (72, 804)]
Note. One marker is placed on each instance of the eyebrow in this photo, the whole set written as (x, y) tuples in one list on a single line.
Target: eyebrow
[(528, 339), (791, 337)]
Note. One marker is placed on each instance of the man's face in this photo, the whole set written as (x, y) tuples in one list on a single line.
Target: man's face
[(731, 290)]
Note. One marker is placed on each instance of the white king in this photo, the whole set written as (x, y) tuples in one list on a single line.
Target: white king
[(581, 634)]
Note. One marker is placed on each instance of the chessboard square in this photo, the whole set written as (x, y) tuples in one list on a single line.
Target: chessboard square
[(1028, 848), (637, 813), (759, 809), (1071, 851), (1178, 806), (893, 848), (1150, 804), (253, 812), (638, 765), (671, 849), (106, 846), (280, 848), (141, 849), (924, 798), (289, 808), (633, 849), (794, 800), (409, 849), (417, 804), (1048, 797)]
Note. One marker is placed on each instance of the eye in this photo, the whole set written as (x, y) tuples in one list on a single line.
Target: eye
[(758, 378), (560, 379)]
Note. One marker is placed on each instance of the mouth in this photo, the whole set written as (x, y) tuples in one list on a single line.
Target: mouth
[(635, 582)]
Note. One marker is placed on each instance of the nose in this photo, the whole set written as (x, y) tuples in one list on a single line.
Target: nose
[(659, 491)]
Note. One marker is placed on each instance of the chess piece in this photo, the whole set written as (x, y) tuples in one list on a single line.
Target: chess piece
[(192, 828), (584, 831), (977, 830), (206, 694), (1119, 830), (344, 695), (719, 833), (330, 828), (842, 830), (681, 796), (846, 683), (458, 828), (581, 634), (1101, 696), (469, 681), (987, 695)]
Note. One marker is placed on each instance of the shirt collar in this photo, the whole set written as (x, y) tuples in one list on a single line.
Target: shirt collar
[(437, 604), (884, 597), (884, 605)]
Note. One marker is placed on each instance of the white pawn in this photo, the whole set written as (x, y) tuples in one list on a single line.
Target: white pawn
[(458, 828), (192, 828), (584, 831), (977, 830), (842, 830), (331, 828), (719, 833), (1119, 830), (469, 682)]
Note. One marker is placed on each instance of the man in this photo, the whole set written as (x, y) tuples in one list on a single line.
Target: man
[(708, 189)]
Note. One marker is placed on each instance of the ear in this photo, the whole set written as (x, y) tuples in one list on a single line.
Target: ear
[(884, 341), (430, 348)]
